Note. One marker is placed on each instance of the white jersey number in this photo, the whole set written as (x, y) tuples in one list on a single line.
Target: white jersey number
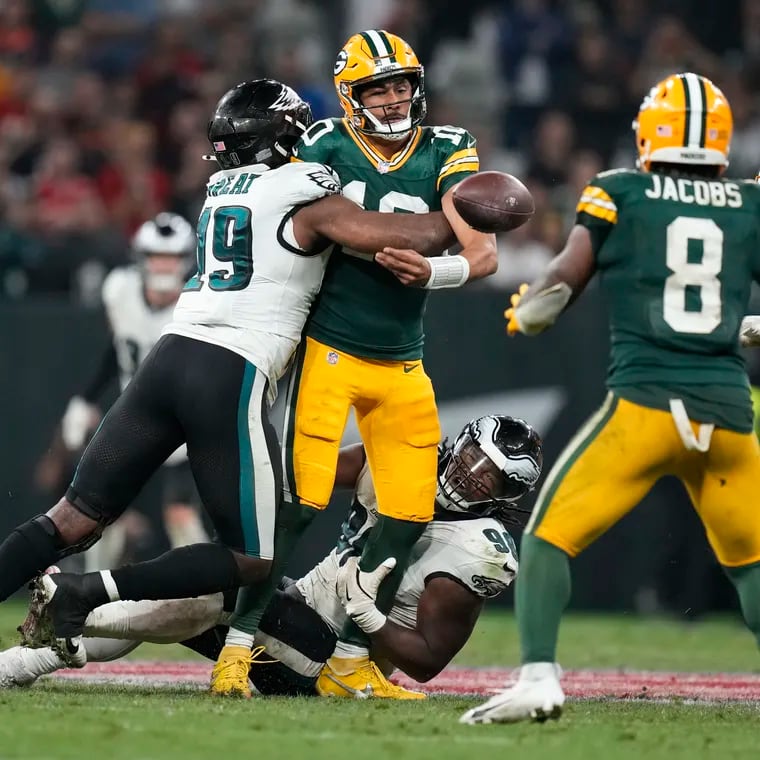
[(231, 245), (701, 276)]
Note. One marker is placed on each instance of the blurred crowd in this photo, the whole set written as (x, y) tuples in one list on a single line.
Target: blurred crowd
[(104, 104)]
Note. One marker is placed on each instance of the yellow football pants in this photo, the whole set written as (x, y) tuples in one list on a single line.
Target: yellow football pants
[(621, 452), (397, 418)]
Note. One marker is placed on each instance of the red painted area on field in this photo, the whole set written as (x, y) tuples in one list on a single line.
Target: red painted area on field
[(582, 684)]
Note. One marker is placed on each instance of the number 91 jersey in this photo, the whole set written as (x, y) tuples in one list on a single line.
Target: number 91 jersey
[(676, 256), (254, 286)]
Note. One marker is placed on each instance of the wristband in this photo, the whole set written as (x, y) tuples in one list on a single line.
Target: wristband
[(447, 272)]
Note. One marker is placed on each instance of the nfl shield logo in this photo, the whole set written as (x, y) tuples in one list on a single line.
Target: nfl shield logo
[(219, 146), (332, 357)]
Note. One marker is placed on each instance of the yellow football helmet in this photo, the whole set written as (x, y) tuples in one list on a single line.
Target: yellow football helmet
[(370, 57), (685, 119)]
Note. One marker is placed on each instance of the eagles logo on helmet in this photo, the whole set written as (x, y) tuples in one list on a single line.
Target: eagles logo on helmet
[(371, 57), (494, 461), (257, 122), (684, 119)]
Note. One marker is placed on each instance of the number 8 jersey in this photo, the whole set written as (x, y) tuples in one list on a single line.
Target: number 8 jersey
[(254, 286), (692, 248)]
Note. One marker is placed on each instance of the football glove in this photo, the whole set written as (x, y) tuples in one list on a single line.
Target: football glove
[(513, 325), (357, 592), (749, 332)]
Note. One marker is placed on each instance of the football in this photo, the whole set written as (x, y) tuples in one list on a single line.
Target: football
[(493, 202)]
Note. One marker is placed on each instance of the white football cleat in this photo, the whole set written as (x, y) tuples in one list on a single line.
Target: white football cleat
[(537, 695), (21, 666)]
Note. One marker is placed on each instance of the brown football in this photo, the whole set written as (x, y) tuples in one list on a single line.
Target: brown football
[(493, 201)]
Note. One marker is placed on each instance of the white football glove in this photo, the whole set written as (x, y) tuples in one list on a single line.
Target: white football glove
[(749, 332), (357, 592), (78, 420)]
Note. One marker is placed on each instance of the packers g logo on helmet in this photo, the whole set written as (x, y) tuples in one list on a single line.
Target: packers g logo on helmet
[(685, 119), (370, 57)]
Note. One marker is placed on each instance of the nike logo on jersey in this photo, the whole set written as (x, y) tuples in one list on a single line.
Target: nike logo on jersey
[(409, 367)]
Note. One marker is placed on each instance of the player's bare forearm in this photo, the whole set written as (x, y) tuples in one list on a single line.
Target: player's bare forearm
[(574, 265), (409, 650), (479, 248), (446, 615), (338, 219)]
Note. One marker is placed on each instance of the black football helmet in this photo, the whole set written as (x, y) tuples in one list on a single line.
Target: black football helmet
[(494, 461), (257, 122)]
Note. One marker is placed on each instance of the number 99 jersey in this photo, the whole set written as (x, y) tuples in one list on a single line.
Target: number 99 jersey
[(676, 256), (254, 286)]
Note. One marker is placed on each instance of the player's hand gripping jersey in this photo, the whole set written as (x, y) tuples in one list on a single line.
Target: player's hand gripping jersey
[(363, 309), (255, 285), (692, 248)]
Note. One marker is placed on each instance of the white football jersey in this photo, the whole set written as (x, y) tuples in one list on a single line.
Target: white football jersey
[(135, 326), (477, 553), (255, 286)]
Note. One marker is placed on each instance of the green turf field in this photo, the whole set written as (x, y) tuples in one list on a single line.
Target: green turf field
[(65, 720)]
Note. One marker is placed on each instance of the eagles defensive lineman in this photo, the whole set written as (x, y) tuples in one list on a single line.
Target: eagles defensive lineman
[(465, 556), (264, 238), (677, 248), (364, 338), (139, 302)]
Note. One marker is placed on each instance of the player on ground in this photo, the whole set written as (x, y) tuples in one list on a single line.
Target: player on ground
[(139, 302), (364, 339), (677, 248), (464, 556), (263, 242)]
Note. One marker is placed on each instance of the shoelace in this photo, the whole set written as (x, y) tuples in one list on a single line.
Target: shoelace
[(255, 656)]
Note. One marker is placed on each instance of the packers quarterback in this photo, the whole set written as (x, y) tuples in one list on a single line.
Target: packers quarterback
[(364, 339), (677, 248)]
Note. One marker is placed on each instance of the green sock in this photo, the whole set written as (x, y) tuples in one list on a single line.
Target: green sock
[(746, 580), (542, 592), (292, 521), (388, 538)]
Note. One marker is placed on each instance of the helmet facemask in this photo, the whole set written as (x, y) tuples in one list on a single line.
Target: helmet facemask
[(164, 248), (366, 122), (494, 462)]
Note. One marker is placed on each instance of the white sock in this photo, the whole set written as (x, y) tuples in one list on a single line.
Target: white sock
[(236, 638), (350, 651), (110, 585), (536, 671), (106, 650)]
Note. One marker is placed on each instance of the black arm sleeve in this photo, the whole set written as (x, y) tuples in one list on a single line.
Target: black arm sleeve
[(108, 371)]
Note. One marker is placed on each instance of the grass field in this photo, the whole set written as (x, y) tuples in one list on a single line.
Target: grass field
[(59, 719)]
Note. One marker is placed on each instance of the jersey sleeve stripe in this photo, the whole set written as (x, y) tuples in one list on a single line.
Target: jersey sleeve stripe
[(598, 211), (464, 160), (296, 160), (465, 166), (459, 155)]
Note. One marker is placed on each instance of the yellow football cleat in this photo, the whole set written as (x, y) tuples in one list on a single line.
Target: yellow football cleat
[(229, 677), (363, 683)]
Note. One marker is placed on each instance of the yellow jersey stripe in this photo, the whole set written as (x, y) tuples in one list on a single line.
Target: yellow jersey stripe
[(461, 154), (464, 160), (592, 191), (296, 160), (593, 208), (470, 166)]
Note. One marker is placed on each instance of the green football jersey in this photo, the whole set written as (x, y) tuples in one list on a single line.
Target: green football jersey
[(362, 308), (676, 257)]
